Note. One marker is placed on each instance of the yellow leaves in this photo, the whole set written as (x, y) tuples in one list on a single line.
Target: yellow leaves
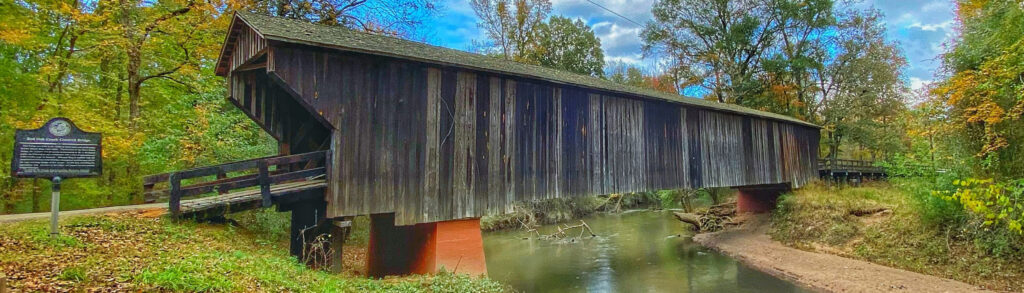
[(970, 8), (987, 112), (995, 203), (14, 34), (986, 97)]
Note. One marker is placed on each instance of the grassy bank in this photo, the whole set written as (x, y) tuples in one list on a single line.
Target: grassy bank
[(900, 225), (136, 252)]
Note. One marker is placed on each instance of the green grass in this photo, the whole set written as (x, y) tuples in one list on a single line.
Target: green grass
[(916, 235), (132, 253)]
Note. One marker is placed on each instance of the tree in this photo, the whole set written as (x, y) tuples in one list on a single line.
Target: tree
[(631, 75), (861, 85), (984, 93), (717, 44), (512, 25), (802, 39), (625, 74), (396, 17), (569, 45), (138, 21)]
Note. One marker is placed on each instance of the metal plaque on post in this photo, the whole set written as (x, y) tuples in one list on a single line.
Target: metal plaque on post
[(56, 151)]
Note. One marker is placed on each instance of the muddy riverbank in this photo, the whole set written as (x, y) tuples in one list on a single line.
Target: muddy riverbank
[(750, 245)]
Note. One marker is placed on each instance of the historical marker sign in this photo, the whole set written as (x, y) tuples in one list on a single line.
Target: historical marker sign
[(58, 149)]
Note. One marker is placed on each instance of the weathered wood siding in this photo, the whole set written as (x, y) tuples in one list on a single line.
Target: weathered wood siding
[(278, 112), (434, 143), (246, 44)]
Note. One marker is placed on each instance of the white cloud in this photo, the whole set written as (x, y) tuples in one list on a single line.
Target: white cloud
[(921, 27), (620, 38), (944, 26), (636, 60), (917, 83), (617, 40)]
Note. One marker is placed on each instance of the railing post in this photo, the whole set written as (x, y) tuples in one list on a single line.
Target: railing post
[(264, 178), (221, 189), (146, 190), (174, 204)]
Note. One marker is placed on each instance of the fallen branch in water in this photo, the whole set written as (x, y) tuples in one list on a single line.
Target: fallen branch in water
[(715, 218), (563, 231), (618, 203), (689, 218)]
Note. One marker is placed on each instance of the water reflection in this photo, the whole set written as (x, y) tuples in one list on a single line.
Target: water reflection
[(634, 252)]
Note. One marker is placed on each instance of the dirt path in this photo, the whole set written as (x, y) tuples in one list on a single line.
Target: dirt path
[(148, 208), (750, 244)]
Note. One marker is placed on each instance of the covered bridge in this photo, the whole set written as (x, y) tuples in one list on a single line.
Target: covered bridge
[(424, 137)]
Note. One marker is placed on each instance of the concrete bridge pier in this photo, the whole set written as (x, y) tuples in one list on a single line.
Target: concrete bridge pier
[(426, 248), (758, 199)]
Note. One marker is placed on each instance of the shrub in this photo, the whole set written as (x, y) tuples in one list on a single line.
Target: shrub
[(933, 211), (998, 204), (995, 210)]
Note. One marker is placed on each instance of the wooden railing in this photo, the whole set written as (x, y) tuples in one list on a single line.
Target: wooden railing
[(869, 166), (848, 165), (254, 172)]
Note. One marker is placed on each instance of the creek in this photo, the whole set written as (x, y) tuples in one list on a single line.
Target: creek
[(634, 251)]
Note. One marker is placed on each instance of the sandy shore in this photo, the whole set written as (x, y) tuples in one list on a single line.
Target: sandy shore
[(751, 245)]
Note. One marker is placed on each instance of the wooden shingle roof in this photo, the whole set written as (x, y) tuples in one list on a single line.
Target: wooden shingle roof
[(340, 38)]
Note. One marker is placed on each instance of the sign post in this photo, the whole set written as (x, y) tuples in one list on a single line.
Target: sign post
[(54, 206), (56, 151)]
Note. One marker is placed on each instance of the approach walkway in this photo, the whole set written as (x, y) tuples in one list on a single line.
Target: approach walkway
[(240, 186), (13, 218)]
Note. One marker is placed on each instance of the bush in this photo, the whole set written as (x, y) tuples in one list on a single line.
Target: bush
[(933, 211), (994, 213), (999, 204)]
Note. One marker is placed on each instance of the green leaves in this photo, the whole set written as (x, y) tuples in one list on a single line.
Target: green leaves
[(77, 59), (569, 45), (983, 94)]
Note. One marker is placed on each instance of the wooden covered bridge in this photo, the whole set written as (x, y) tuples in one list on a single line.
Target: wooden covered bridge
[(426, 140)]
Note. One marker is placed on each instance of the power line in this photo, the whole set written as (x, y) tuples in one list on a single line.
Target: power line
[(613, 12)]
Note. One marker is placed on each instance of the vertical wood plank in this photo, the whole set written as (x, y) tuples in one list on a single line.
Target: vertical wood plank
[(495, 183), (433, 128), (509, 157), (465, 137)]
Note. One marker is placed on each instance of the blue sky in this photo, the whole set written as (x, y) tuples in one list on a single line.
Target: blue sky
[(921, 27)]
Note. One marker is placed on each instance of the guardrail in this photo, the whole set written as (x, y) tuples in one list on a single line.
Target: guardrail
[(864, 166), (255, 172), (848, 165)]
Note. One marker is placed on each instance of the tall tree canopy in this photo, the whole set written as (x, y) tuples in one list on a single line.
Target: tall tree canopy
[(519, 30), (627, 74), (511, 25), (569, 45), (984, 93), (716, 44), (861, 88), (814, 60), (392, 17)]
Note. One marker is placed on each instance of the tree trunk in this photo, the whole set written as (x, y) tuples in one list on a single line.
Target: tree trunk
[(133, 48), (689, 218), (833, 149), (133, 99)]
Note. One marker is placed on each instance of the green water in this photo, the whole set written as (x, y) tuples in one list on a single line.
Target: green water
[(640, 251)]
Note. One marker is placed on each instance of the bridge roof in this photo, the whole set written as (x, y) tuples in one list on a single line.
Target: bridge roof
[(299, 32)]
